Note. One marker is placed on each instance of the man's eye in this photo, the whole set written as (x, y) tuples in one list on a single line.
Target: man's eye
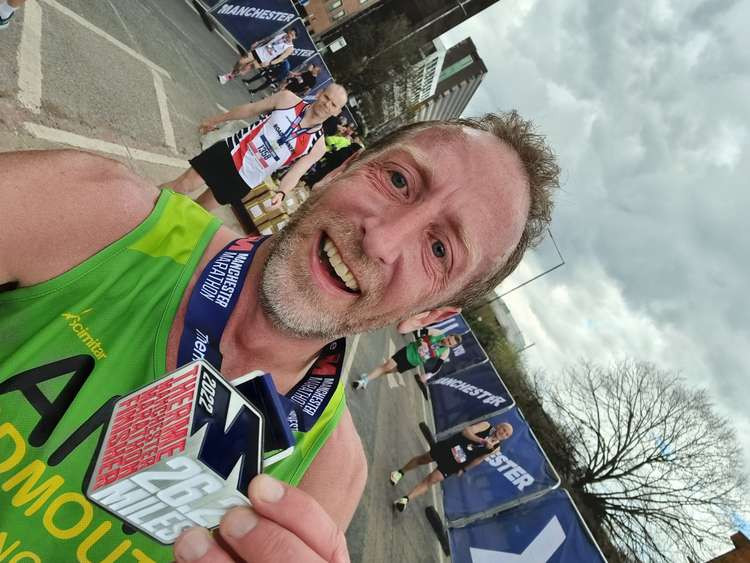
[(398, 180), (438, 249)]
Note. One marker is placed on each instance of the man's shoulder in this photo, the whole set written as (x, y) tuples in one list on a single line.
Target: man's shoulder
[(82, 201), (286, 99)]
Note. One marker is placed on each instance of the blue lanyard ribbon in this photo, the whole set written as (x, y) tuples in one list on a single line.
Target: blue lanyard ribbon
[(210, 305)]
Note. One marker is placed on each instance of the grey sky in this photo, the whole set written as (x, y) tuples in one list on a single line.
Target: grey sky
[(646, 105)]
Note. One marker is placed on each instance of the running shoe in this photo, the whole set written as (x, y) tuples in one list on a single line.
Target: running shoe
[(396, 477), (5, 22), (222, 78), (401, 503)]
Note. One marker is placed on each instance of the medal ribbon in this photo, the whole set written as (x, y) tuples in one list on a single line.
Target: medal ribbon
[(209, 307)]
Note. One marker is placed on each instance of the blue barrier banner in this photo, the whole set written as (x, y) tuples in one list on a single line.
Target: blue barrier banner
[(475, 393), (468, 353), (518, 471), (455, 325), (249, 21), (545, 530)]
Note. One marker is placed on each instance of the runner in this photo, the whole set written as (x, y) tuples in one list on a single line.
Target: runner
[(98, 283), (454, 455), (262, 55), (288, 134), (7, 10), (414, 354)]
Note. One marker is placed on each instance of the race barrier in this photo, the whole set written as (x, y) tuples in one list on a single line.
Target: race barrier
[(472, 395), (519, 472), (509, 508), (548, 529), (250, 21)]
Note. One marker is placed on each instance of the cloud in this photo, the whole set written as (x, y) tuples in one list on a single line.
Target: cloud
[(645, 103)]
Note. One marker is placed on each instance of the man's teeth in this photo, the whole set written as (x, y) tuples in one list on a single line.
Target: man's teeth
[(338, 265)]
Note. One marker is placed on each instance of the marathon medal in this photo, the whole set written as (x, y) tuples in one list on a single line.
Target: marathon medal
[(179, 453)]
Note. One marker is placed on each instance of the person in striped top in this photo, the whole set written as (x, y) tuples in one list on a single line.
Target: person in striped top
[(285, 132)]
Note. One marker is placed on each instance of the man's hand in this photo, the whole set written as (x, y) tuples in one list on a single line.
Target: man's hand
[(285, 524), (207, 125), (276, 200)]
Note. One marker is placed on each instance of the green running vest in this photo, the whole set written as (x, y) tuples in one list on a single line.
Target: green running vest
[(70, 344)]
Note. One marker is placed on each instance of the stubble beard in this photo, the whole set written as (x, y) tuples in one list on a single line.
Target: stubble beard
[(288, 297)]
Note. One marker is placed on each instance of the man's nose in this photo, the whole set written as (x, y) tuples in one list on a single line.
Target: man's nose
[(392, 233)]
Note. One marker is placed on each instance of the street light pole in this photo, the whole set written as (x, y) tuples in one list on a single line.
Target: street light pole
[(536, 277)]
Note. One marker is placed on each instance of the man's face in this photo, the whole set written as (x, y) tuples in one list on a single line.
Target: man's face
[(503, 431), (396, 235), (329, 103)]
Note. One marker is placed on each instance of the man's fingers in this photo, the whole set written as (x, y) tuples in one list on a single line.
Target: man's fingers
[(284, 505), (258, 540), (197, 546)]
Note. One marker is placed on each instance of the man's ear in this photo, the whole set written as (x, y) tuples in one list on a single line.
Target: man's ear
[(426, 318)]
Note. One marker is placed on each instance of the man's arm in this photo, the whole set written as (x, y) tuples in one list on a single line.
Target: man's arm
[(470, 432), (340, 466), (282, 56), (476, 462), (283, 98), (61, 207), (297, 170)]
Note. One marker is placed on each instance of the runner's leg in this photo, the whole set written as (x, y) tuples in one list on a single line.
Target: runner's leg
[(207, 201), (416, 461), (424, 485), (187, 182)]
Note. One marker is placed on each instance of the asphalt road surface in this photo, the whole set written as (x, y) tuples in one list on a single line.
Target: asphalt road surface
[(132, 80)]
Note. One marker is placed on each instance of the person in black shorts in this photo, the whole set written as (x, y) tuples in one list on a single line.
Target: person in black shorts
[(429, 347), (454, 455)]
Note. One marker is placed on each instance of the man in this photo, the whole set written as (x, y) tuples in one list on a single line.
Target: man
[(104, 271), (414, 354), (7, 11), (287, 133), (302, 82), (454, 455), (262, 55)]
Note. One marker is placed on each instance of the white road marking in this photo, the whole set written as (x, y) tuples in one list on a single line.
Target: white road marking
[(400, 378), (166, 122), (30, 59), (350, 358), (104, 35), (222, 108), (75, 140), (390, 349)]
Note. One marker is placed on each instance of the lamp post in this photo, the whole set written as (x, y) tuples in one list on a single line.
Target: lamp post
[(536, 277)]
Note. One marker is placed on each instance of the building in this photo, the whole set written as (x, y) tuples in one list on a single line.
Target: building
[(740, 553), (428, 19), (324, 15), (505, 319), (439, 87), (461, 74)]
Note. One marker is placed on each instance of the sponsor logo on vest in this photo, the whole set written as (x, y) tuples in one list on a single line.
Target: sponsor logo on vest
[(509, 469), (471, 390), (84, 334), (257, 13)]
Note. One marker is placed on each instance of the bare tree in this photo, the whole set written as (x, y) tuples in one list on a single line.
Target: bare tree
[(657, 466)]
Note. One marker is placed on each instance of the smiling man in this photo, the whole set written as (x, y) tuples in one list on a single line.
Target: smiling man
[(430, 217)]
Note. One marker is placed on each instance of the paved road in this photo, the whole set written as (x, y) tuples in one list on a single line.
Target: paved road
[(132, 80)]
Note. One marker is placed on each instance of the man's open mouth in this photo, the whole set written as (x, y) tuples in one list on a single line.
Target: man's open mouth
[(329, 255)]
